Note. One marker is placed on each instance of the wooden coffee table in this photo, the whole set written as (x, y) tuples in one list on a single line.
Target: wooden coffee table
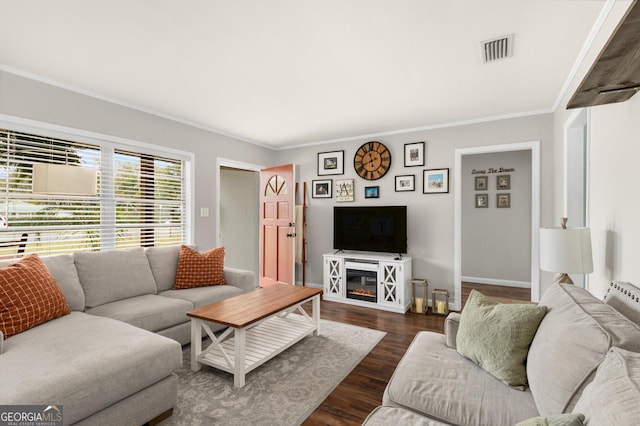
[(260, 327)]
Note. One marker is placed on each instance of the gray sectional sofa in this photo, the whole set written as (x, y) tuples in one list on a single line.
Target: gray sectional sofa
[(111, 361), (434, 385)]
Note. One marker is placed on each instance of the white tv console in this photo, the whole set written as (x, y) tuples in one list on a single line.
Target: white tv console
[(379, 281)]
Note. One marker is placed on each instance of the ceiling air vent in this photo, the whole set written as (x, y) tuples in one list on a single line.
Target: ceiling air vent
[(497, 48)]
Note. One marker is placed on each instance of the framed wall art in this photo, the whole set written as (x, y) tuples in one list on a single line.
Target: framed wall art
[(322, 188), (436, 181), (503, 182), (371, 192), (503, 201), (414, 154), (345, 190), (481, 183), (482, 201), (331, 163), (405, 183)]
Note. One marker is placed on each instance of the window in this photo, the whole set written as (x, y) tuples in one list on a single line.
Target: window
[(148, 200), (141, 198)]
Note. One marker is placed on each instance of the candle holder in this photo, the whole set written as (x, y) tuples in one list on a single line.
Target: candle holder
[(440, 302), (419, 296)]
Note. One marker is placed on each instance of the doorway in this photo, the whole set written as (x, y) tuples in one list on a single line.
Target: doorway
[(534, 148), (496, 221), (237, 206)]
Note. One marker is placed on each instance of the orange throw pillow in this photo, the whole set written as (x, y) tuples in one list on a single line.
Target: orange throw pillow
[(28, 296), (200, 270)]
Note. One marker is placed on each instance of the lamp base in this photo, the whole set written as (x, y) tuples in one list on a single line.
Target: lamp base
[(563, 279)]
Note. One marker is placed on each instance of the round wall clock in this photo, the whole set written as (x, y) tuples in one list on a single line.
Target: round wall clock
[(372, 160)]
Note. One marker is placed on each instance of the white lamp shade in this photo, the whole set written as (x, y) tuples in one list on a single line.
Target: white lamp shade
[(566, 250), (63, 179)]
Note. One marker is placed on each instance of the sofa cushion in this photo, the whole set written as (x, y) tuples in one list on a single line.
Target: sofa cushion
[(567, 419), (572, 340), (149, 311), (613, 398), (438, 382), (201, 296), (385, 416), (63, 270), (113, 275), (200, 269), (164, 265), (496, 336), (85, 363), (28, 296)]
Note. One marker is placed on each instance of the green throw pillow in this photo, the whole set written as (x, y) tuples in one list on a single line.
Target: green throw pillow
[(568, 419), (497, 336)]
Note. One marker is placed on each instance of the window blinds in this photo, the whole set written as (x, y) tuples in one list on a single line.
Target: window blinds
[(141, 198)]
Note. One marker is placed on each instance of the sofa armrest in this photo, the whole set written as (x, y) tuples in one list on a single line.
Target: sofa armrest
[(451, 325), (244, 280), (624, 298)]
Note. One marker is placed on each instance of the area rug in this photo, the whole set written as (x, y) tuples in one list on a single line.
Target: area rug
[(284, 391)]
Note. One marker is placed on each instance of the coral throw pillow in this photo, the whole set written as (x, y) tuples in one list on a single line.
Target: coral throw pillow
[(28, 296), (200, 269)]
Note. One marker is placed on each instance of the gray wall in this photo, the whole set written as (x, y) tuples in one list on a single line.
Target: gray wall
[(25, 98), (496, 242), (431, 216)]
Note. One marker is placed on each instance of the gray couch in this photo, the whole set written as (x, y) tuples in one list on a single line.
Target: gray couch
[(111, 361), (434, 385)]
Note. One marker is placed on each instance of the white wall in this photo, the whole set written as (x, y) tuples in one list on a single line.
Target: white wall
[(613, 201), (496, 242), (25, 98), (614, 155), (614, 219), (430, 216)]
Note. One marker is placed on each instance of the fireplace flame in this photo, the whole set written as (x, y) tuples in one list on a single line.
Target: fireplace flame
[(363, 292)]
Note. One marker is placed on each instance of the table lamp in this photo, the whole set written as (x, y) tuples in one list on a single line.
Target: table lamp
[(567, 251)]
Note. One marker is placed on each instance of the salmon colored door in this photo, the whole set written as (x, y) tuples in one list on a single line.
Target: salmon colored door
[(277, 232)]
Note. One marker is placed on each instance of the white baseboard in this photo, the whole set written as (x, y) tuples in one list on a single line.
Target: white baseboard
[(312, 285), (492, 281)]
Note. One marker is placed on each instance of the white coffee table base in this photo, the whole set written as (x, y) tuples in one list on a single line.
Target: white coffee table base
[(241, 350)]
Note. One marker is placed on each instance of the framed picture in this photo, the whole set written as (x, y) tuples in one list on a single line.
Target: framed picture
[(344, 190), (482, 201), (322, 188), (371, 192), (331, 163), (414, 154), (436, 181), (503, 201), (481, 183), (405, 183), (503, 182)]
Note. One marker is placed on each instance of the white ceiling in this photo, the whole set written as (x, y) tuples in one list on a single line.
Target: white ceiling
[(292, 72)]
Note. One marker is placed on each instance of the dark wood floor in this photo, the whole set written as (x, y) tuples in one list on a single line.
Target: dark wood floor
[(361, 391), (498, 292)]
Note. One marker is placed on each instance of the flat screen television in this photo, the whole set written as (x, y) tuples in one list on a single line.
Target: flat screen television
[(379, 229)]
